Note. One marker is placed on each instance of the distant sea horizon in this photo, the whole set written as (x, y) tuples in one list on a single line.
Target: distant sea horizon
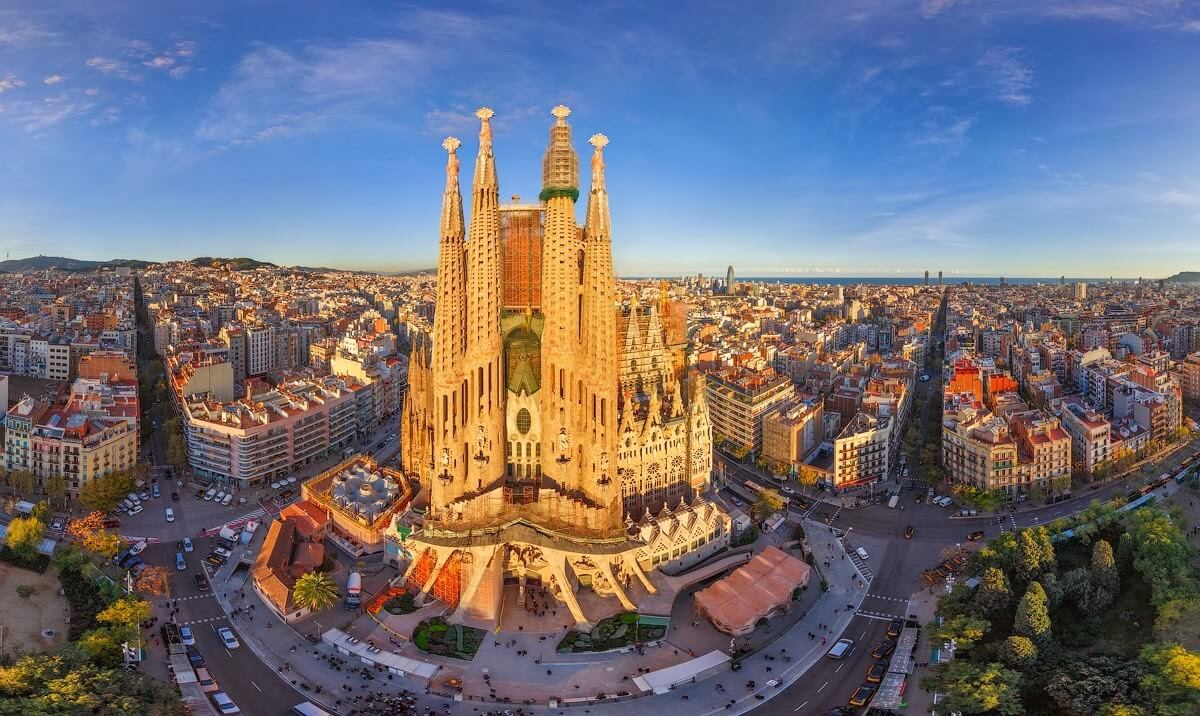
[(893, 280)]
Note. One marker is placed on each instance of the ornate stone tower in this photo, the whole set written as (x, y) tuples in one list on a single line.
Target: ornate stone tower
[(513, 418)]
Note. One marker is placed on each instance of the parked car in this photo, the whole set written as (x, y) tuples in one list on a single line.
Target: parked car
[(841, 649), (195, 657), (170, 514), (209, 494), (215, 560), (876, 672), (908, 532), (862, 695), (883, 649), (228, 499), (154, 490), (58, 524), (187, 544), (225, 704), (206, 681), (975, 536), (186, 636), (135, 509), (223, 552), (138, 548), (894, 628), (201, 582), (227, 636), (145, 495), (180, 563), (219, 496)]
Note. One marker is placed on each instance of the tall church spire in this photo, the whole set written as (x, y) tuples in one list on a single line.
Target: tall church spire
[(482, 367), (449, 340)]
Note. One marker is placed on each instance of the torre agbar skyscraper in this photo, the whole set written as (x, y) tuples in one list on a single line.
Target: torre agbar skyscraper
[(557, 437)]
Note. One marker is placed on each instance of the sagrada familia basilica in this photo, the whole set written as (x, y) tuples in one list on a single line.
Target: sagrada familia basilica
[(557, 435)]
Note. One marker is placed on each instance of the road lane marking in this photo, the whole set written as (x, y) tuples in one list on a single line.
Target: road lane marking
[(823, 686), (839, 668), (228, 654), (800, 706), (256, 686), (864, 636)]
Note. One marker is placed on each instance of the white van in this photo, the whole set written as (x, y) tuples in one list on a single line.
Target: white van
[(841, 649), (862, 554), (209, 495), (135, 499)]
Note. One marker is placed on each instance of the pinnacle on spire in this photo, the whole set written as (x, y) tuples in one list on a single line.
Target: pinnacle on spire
[(452, 212), (561, 112), (485, 161)]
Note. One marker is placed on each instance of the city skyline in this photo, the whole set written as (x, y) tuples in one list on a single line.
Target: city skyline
[(861, 141)]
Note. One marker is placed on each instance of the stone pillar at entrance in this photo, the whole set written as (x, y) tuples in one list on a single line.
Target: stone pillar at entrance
[(568, 595)]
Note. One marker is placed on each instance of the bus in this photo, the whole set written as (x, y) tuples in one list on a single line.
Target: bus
[(309, 709)]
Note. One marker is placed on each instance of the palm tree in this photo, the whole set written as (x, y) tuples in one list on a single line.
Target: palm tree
[(315, 591)]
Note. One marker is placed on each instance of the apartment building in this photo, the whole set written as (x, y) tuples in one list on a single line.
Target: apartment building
[(792, 433), (272, 433), (1189, 371), (860, 451), (739, 399), (1090, 431), (1018, 457)]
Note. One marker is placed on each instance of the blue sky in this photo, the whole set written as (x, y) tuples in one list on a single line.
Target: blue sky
[(858, 137)]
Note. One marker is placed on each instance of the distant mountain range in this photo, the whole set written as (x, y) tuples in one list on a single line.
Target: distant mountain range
[(241, 263), (1185, 277), (45, 263)]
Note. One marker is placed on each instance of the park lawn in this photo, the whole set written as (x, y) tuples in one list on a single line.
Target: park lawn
[(25, 618)]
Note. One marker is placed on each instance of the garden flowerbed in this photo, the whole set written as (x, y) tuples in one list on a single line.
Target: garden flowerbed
[(435, 636), (615, 632)]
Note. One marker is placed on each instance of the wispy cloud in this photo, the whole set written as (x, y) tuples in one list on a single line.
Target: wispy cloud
[(942, 127), (1010, 76), (10, 83), (273, 92), (35, 115), (933, 8), (111, 66), (53, 79), (18, 31)]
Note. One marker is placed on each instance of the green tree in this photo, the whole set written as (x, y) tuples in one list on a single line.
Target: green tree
[(1178, 622), (1019, 652), (1080, 687), (1161, 554), (315, 591), (103, 493), (1033, 615), (994, 594), (1034, 554), (56, 489), (176, 450), (124, 616), (768, 503), (24, 535), (977, 688), (21, 482), (41, 511), (1173, 677), (1104, 567), (966, 631)]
